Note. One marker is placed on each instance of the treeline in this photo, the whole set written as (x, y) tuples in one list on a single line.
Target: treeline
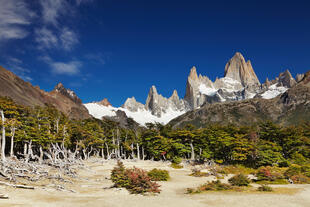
[(44, 133)]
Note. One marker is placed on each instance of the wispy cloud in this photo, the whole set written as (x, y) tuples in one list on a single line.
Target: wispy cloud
[(68, 38), (52, 10), (97, 58), (16, 66), (14, 16), (45, 38), (64, 39), (63, 68)]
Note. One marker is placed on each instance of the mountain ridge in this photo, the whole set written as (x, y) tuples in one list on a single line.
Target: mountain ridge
[(239, 83), (26, 94)]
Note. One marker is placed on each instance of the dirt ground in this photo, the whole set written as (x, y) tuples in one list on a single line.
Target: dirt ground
[(92, 189)]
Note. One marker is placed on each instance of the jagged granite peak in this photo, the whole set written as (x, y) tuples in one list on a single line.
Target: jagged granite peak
[(133, 105), (104, 102), (193, 74), (299, 77), (286, 79), (193, 97), (240, 70), (174, 95), (59, 88), (267, 82), (158, 105)]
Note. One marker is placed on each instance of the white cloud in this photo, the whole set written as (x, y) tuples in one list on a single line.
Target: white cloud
[(63, 68), (14, 16), (45, 38), (69, 68), (68, 38), (98, 58), (52, 10)]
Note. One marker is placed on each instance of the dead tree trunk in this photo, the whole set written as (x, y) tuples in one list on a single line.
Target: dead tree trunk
[(108, 153), (138, 152), (143, 155), (192, 152), (41, 155), (3, 137), (118, 143), (25, 152), (12, 142), (132, 151), (102, 152)]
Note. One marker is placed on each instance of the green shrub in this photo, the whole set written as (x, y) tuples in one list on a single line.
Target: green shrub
[(235, 169), (190, 190), (215, 186), (239, 180), (135, 180), (293, 170), (265, 188), (176, 166), (176, 160), (118, 176), (158, 175), (298, 158), (305, 169), (198, 173)]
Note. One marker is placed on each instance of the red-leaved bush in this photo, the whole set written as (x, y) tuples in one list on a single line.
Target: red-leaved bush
[(140, 182), (135, 180)]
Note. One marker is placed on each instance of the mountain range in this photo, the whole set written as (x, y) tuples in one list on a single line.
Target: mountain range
[(238, 97), (239, 83)]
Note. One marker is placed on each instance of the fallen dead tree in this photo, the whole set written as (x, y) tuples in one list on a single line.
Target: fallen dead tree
[(17, 186)]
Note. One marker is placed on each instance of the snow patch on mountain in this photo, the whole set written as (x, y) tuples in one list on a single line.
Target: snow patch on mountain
[(98, 111), (141, 116), (206, 90), (273, 91)]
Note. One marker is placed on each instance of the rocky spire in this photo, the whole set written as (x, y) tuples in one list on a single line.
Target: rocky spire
[(286, 79), (59, 88), (193, 74), (240, 70), (132, 105), (267, 82), (105, 102), (175, 94), (152, 102)]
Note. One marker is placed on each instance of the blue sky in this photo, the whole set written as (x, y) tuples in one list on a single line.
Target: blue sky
[(120, 48)]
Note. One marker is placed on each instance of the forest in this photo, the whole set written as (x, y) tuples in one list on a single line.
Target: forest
[(44, 133)]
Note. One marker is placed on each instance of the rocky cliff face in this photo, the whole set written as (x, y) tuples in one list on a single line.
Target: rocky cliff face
[(241, 71), (25, 94), (132, 105), (159, 105)]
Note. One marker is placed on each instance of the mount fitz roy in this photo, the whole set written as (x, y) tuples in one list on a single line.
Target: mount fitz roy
[(203, 98), (239, 83)]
